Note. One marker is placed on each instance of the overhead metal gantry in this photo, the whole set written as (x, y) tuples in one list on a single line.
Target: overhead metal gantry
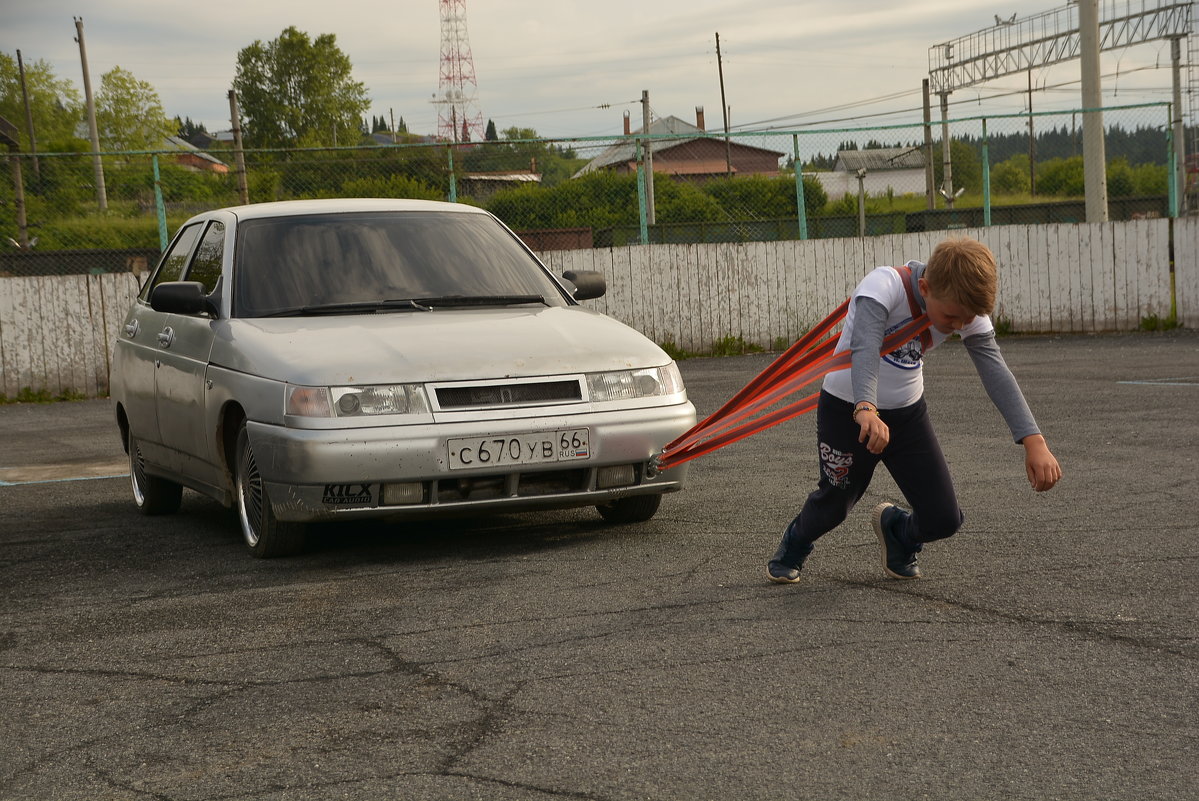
[(1052, 37)]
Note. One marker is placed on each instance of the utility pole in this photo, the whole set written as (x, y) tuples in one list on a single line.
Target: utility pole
[(97, 163), (243, 190), (1094, 156), (650, 215), (8, 136), (1180, 156), (28, 117), (724, 109), (930, 192), (946, 150), (1032, 144)]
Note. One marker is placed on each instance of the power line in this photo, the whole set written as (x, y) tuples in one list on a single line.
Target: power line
[(747, 127)]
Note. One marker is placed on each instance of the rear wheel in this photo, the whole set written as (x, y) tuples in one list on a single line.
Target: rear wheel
[(637, 509), (265, 536), (153, 495)]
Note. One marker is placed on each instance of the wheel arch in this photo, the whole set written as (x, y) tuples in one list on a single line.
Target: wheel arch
[(228, 424), (123, 425)]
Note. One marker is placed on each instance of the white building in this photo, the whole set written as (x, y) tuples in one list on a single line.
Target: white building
[(898, 169)]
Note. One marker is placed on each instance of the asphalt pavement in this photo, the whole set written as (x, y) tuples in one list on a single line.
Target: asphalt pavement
[(1049, 653)]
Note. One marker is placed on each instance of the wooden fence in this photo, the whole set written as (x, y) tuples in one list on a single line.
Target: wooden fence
[(57, 332), (1052, 278)]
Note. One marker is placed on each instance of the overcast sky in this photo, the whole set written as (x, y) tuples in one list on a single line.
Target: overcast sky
[(551, 64)]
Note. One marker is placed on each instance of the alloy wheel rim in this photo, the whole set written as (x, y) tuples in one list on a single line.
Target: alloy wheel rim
[(137, 473), (249, 493)]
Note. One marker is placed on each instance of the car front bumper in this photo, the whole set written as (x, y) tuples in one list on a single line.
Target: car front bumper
[(324, 474)]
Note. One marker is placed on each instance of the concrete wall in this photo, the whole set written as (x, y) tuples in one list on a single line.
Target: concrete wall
[(57, 332)]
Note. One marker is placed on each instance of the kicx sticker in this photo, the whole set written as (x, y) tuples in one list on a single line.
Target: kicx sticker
[(338, 494)]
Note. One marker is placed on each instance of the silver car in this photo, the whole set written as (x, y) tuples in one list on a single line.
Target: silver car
[(341, 359)]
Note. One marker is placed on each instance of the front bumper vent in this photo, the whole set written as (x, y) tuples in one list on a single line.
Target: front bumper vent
[(524, 394)]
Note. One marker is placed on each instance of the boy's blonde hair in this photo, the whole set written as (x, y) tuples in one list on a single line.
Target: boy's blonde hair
[(962, 271)]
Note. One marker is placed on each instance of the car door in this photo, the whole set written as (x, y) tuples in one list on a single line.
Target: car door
[(185, 343), (137, 349)]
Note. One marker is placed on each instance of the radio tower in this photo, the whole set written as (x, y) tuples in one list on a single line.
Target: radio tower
[(458, 115)]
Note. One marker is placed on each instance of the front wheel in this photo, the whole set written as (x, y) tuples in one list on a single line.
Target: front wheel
[(265, 536), (152, 494), (637, 509)]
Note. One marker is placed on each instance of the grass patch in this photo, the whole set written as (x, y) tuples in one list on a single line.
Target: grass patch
[(1151, 322), (1003, 326), (30, 395), (675, 352), (734, 346), (728, 346)]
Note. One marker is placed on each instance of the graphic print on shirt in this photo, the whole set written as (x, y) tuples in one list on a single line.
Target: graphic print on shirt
[(835, 465), (908, 355)]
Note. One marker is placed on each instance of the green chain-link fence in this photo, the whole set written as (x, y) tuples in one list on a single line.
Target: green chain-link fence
[(593, 192)]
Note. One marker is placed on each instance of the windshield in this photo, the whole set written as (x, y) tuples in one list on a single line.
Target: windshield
[(287, 264)]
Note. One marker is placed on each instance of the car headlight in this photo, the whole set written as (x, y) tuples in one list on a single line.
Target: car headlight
[(356, 401), (630, 384)]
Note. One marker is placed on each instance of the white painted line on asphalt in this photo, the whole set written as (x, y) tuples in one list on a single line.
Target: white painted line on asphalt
[(1183, 381), (46, 473)]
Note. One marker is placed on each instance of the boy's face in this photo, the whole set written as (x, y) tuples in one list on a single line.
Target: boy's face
[(945, 316)]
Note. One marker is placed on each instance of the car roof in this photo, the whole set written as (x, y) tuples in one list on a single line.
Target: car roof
[(285, 208)]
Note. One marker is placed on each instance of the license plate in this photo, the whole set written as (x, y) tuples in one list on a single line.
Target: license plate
[(566, 445)]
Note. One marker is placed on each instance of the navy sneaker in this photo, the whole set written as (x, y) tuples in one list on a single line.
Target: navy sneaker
[(787, 563), (899, 561)]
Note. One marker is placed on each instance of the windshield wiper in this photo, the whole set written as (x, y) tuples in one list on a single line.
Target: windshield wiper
[(354, 307), (481, 300)]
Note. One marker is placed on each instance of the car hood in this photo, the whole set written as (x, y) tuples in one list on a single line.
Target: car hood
[(444, 345)]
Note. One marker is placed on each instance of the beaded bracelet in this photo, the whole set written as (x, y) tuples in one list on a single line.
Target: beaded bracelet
[(862, 408)]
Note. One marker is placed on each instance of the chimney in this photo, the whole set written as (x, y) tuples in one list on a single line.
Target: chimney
[(699, 118), (626, 124)]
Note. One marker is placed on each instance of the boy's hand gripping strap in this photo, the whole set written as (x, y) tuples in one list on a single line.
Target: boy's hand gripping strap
[(804, 362)]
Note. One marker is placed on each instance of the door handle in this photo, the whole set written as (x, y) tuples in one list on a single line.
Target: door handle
[(166, 336), (131, 328)]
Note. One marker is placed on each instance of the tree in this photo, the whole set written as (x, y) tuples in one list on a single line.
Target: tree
[(1061, 177), (490, 134), (54, 103), (1010, 177), (187, 129), (759, 197), (129, 115), (297, 91)]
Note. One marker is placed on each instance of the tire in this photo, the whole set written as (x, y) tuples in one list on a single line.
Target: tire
[(265, 536), (153, 495), (637, 509)]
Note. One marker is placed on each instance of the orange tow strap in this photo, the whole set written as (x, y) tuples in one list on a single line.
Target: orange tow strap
[(746, 412)]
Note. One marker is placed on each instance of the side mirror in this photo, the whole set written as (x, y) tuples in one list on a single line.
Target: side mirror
[(181, 297), (588, 284)]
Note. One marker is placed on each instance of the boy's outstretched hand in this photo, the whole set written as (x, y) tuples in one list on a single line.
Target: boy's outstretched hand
[(1043, 469)]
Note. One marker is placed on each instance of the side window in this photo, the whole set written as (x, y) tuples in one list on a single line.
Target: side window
[(206, 265), (176, 258)]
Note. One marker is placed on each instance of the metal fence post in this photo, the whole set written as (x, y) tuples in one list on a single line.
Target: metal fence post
[(453, 196), (801, 208), (159, 206), (986, 180)]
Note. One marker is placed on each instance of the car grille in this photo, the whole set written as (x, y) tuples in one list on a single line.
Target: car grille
[(471, 397)]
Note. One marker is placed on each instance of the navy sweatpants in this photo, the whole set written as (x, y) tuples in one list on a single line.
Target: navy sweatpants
[(913, 457)]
